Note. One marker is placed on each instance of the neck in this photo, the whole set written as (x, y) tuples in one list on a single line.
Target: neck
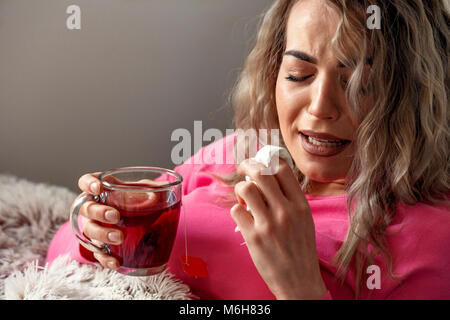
[(327, 188)]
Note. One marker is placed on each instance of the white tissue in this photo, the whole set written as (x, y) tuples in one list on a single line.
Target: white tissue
[(265, 156)]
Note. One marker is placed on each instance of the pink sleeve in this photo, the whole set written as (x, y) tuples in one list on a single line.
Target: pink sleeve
[(65, 243), (424, 285)]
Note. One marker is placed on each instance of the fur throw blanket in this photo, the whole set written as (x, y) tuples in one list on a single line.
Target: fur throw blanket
[(30, 214)]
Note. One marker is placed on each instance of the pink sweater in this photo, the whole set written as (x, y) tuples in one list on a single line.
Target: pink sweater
[(419, 243)]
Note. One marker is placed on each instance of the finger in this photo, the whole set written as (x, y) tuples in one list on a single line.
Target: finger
[(249, 195), (242, 217), (89, 183), (95, 211), (268, 184), (288, 182), (103, 234), (107, 261)]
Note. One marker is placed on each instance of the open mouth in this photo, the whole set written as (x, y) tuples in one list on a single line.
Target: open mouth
[(322, 147), (323, 142)]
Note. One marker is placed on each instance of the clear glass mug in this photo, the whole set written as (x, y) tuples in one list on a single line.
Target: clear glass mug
[(149, 202)]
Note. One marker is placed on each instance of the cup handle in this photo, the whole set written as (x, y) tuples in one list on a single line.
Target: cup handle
[(74, 214)]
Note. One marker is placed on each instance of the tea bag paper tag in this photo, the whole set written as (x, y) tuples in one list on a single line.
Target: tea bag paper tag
[(194, 266), (266, 156)]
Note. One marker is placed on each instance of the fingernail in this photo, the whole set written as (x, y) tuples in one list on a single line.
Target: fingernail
[(111, 265), (111, 215), (95, 187), (114, 236)]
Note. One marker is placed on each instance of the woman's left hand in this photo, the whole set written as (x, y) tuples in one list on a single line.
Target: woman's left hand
[(279, 231)]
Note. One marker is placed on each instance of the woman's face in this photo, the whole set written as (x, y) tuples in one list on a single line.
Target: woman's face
[(310, 96)]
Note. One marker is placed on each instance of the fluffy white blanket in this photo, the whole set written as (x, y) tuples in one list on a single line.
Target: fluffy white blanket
[(30, 214)]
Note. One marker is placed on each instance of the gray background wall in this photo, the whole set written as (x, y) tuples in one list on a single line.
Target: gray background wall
[(110, 94)]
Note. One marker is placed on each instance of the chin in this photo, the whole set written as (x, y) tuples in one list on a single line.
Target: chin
[(321, 169), (322, 174)]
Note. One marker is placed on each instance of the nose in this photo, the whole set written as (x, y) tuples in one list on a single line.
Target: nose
[(325, 99)]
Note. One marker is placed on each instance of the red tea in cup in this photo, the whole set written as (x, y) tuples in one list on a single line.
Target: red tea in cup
[(149, 223), (149, 202)]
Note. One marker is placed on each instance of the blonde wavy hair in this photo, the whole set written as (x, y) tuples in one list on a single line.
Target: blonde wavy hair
[(402, 142)]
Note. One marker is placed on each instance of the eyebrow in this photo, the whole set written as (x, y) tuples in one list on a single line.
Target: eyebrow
[(301, 56), (306, 57)]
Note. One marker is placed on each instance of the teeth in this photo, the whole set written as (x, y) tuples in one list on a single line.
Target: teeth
[(325, 143)]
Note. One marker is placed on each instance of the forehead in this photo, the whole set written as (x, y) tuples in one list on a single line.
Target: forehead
[(311, 27)]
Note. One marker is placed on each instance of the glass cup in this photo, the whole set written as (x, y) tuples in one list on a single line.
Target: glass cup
[(149, 202)]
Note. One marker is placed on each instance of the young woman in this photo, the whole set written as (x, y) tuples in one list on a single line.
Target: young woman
[(364, 115)]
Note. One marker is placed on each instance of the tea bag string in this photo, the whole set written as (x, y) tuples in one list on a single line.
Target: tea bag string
[(185, 229)]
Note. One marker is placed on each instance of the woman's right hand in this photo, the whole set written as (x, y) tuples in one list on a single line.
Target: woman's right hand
[(92, 213)]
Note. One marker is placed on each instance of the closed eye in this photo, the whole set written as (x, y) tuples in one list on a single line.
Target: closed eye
[(298, 79)]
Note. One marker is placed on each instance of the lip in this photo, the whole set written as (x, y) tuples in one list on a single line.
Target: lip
[(322, 151), (323, 136)]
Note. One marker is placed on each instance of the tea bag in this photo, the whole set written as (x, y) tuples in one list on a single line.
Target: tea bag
[(266, 156)]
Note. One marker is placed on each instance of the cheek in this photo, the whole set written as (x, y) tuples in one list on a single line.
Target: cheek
[(289, 103)]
